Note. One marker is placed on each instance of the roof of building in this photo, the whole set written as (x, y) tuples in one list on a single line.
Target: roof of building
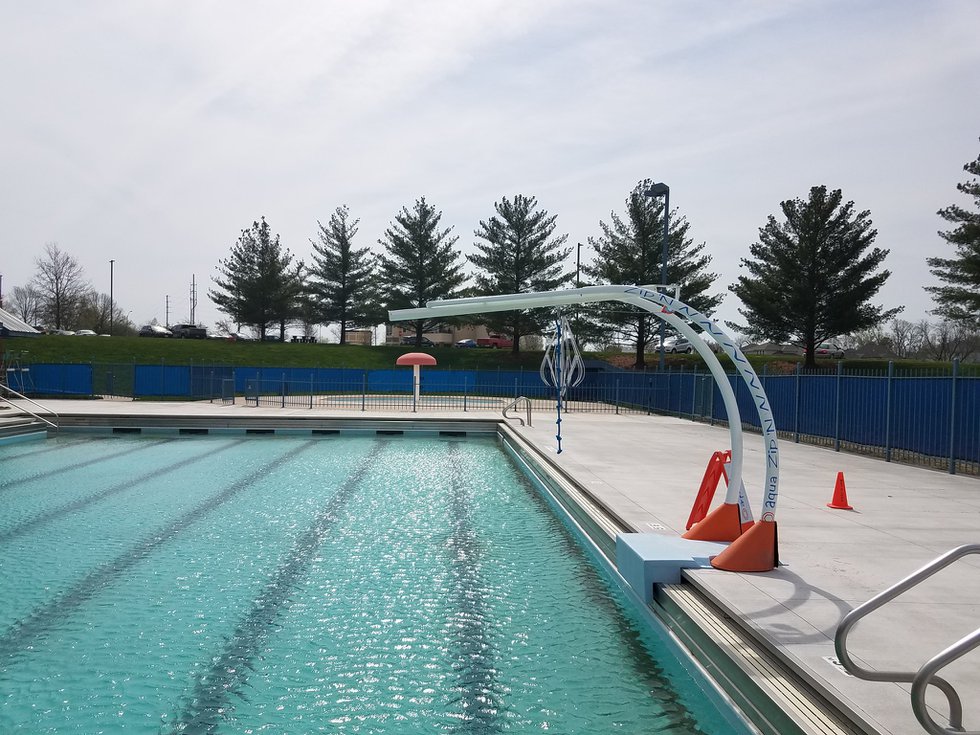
[(16, 326)]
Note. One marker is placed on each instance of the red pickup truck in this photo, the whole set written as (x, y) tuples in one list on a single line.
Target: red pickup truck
[(495, 341)]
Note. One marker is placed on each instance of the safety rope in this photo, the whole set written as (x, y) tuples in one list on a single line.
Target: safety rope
[(558, 385)]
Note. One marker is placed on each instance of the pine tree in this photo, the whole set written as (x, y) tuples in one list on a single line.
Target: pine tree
[(342, 278), (812, 276), (258, 284), (630, 251), (519, 253), (420, 263), (959, 300)]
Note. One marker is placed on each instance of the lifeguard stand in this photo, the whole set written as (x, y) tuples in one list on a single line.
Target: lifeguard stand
[(14, 374)]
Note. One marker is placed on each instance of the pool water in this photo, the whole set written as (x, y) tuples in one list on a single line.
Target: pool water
[(224, 584)]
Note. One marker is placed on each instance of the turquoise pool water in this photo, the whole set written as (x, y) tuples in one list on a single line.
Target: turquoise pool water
[(334, 584)]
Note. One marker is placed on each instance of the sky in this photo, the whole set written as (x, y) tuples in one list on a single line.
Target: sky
[(152, 133)]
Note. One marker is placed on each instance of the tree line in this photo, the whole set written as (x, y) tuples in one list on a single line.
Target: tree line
[(518, 249), (812, 274)]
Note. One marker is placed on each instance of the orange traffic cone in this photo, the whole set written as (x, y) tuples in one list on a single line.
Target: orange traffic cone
[(840, 495)]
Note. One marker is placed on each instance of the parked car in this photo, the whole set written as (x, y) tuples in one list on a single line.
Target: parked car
[(828, 349), (495, 341), (673, 345), (466, 343), (188, 331), (85, 333), (410, 340), (154, 330)]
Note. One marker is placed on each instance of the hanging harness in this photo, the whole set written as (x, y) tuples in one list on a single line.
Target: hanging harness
[(562, 366)]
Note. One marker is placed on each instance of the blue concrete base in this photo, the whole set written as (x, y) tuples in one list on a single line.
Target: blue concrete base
[(646, 559)]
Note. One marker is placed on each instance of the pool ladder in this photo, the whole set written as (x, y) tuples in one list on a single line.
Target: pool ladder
[(926, 675), (513, 404)]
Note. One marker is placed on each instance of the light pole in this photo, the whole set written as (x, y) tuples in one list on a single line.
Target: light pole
[(111, 304), (578, 265), (663, 190)]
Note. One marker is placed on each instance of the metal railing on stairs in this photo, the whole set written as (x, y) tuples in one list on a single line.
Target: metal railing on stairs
[(513, 405), (7, 389), (927, 673)]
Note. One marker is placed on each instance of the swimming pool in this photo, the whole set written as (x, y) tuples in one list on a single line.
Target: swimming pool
[(290, 584)]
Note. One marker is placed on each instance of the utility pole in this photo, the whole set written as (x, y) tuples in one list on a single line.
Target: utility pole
[(193, 298), (111, 306), (167, 318)]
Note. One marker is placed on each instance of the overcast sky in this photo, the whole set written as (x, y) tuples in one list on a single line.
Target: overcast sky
[(152, 133)]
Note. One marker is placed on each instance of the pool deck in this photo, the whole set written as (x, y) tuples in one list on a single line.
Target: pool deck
[(647, 469)]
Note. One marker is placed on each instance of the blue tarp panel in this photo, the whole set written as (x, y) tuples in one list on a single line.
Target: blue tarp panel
[(161, 381), (53, 379)]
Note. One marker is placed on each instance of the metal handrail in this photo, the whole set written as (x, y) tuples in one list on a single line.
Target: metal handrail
[(926, 674), (513, 404), (32, 402)]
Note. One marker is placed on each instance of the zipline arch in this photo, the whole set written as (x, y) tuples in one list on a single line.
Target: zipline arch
[(673, 311)]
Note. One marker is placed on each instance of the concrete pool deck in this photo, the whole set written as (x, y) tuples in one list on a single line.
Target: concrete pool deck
[(647, 469)]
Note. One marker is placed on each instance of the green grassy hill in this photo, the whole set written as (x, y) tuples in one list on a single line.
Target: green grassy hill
[(51, 348), (116, 350)]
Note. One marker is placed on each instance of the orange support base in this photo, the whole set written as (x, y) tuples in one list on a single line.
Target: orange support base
[(724, 523), (755, 550)]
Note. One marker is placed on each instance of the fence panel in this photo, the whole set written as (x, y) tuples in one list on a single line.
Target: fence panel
[(818, 404), (863, 408), (966, 438), (921, 415), (161, 381)]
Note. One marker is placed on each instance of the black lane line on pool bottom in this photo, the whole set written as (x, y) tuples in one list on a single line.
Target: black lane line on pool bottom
[(33, 449), (71, 468), (476, 676), (62, 510), (23, 632), (210, 702)]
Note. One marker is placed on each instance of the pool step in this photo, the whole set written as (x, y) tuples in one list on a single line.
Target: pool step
[(774, 698), (20, 425)]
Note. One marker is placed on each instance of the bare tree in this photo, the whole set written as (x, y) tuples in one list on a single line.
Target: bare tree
[(906, 339), (26, 303), (947, 340), (96, 311), (60, 282)]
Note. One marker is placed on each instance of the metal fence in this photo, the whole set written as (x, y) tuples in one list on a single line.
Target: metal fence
[(929, 417)]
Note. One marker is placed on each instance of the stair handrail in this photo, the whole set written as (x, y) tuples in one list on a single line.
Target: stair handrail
[(926, 674), (53, 425), (513, 404)]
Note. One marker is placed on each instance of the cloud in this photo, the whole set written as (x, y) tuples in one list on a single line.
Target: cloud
[(152, 133)]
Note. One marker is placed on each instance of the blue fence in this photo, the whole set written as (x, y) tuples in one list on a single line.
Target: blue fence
[(928, 418)]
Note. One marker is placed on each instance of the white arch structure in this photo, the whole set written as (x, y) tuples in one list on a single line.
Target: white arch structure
[(669, 309)]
